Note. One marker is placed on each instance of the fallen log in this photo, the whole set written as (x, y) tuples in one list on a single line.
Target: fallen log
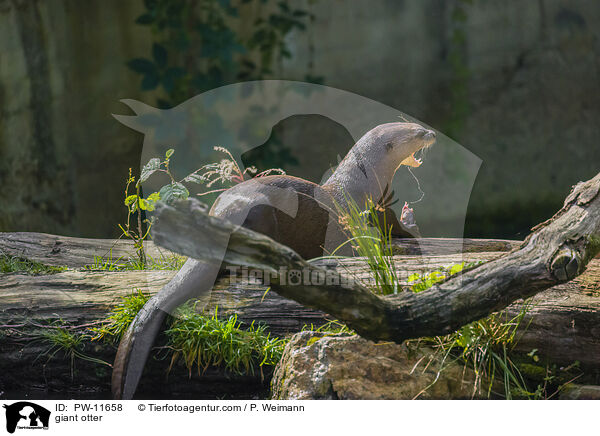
[(73, 252), (562, 322), (78, 299), (31, 368)]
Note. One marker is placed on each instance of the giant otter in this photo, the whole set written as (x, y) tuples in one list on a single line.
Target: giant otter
[(292, 211)]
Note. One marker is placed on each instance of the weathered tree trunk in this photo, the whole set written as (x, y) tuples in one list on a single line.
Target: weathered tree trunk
[(30, 367), (562, 323), (73, 252), (77, 300), (82, 297)]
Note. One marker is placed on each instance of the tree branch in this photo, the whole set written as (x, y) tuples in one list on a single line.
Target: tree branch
[(557, 251)]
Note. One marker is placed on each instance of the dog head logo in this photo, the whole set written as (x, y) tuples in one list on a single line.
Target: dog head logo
[(26, 415), (270, 123), (303, 129)]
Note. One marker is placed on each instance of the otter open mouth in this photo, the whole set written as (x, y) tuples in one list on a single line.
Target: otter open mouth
[(412, 161), (416, 159)]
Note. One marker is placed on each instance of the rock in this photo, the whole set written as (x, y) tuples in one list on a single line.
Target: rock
[(580, 392), (346, 367)]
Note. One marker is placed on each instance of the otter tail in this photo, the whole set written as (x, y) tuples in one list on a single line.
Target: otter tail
[(193, 280)]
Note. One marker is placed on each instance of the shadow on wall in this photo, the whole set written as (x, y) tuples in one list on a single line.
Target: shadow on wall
[(305, 146)]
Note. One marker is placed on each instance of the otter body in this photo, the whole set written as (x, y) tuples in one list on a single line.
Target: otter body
[(295, 212), (261, 203)]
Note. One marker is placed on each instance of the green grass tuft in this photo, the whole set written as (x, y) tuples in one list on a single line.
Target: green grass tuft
[(70, 343), (420, 282), (120, 318), (363, 228), (9, 264), (486, 346), (205, 341), (173, 263), (367, 239), (62, 339)]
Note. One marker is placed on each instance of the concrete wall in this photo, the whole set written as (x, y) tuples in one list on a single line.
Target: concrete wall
[(63, 158), (515, 82)]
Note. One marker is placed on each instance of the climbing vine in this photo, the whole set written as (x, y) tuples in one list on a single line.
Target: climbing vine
[(457, 58), (199, 45)]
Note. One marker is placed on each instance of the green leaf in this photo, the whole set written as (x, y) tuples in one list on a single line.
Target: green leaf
[(194, 178), (147, 203), (413, 277), (154, 197), (456, 268), (141, 65), (436, 276), (159, 53), (174, 191), (150, 81), (143, 204), (144, 19), (150, 168), (169, 153), (130, 199), (419, 287)]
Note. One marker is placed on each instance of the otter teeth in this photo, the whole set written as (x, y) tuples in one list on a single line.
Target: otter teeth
[(411, 161), (418, 161)]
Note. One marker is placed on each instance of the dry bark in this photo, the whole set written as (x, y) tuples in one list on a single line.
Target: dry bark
[(81, 297), (73, 252), (563, 327)]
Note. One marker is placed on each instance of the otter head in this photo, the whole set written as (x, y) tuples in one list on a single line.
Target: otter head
[(371, 164), (400, 141)]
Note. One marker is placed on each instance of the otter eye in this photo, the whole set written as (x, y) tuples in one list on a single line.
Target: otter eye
[(389, 145)]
